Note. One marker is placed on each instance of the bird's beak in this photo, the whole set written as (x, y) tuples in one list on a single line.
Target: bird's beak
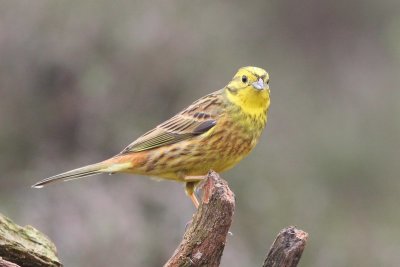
[(260, 84)]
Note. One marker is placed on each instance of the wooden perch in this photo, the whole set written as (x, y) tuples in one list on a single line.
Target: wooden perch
[(204, 240), (287, 248), (25, 246), (4, 263), (202, 245)]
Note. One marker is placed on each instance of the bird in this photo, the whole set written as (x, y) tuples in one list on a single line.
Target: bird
[(213, 133)]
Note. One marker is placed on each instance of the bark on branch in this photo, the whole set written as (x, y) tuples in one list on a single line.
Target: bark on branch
[(202, 244), (25, 246), (287, 248), (204, 240)]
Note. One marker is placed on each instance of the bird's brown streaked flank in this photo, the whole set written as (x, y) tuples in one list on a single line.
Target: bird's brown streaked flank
[(215, 132)]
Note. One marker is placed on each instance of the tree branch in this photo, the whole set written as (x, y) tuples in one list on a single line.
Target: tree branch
[(25, 246), (202, 245), (287, 248), (204, 240), (4, 263)]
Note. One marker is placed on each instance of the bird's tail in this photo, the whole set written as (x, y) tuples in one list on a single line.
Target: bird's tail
[(107, 166)]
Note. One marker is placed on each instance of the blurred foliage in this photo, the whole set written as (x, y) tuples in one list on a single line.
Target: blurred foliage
[(79, 80)]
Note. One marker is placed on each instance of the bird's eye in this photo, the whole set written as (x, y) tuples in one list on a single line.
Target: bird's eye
[(244, 79), (267, 81)]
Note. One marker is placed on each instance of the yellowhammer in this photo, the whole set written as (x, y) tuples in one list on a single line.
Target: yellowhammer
[(215, 132)]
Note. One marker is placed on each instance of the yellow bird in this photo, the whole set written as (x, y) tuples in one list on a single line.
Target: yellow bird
[(214, 132)]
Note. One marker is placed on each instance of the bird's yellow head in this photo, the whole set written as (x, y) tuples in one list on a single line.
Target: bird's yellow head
[(249, 90)]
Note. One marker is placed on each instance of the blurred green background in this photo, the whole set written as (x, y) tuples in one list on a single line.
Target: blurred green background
[(79, 80)]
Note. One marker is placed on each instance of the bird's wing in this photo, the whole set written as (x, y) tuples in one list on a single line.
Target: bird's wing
[(197, 119)]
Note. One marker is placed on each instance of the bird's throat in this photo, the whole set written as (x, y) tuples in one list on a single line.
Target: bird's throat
[(250, 101)]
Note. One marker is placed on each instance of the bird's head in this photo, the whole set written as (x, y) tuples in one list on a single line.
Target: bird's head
[(249, 89)]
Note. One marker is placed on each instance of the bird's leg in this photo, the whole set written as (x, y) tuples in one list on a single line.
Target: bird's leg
[(189, 188), (191, 183)]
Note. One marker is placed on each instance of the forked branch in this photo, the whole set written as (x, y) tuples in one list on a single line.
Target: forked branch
[(202, 245), (204, 240)]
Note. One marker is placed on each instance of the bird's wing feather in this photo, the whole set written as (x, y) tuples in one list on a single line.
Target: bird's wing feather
[(197, 119)]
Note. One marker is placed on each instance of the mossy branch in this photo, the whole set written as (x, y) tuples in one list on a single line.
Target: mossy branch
[(202, 245), (25, 246)]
